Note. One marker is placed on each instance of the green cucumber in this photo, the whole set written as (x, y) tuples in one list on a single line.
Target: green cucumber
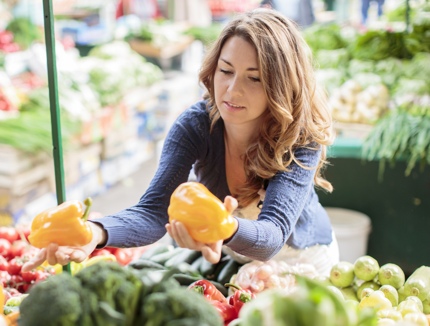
[(195, 265), (161, 258), (144, 264), (156, 249), (228, 271), (207, 269), (182, 256), (185, 279)]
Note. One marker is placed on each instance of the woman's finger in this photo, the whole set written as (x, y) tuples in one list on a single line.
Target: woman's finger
[(212, 252), (36, 261), (173, 232), (51, 251), (230, 204), (62, 258), (185, 238)]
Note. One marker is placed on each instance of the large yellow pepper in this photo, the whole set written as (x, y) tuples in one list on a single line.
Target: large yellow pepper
[(202, 213), (64, 225)]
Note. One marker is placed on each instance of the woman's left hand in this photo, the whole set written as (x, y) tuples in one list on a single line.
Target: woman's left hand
[(210, 251)]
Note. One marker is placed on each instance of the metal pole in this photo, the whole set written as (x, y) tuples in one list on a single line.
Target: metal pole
[(408, 14), (54, 105)]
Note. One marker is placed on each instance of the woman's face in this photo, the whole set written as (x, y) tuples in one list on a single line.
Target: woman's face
[(239, 93)]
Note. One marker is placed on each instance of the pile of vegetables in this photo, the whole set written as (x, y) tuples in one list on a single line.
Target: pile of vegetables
[(25, 32), (379, 77), (384, 290), (114, 69), (34, 119), (110, 294)]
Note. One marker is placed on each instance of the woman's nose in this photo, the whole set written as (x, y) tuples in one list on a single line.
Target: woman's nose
[(236, 86)]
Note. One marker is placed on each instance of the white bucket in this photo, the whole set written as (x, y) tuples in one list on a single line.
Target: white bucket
[(352, 230)]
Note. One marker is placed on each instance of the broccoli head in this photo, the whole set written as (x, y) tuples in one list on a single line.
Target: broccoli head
[(179, 306), (117, 290), (56, 301)]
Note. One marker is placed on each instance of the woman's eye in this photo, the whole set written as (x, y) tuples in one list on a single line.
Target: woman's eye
[(255, 79), (225, 71)]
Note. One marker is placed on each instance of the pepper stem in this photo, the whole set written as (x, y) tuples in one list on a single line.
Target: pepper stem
[(88, 201), (232, 285)]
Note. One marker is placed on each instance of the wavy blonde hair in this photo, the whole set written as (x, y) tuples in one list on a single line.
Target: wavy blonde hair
[(297, 112)]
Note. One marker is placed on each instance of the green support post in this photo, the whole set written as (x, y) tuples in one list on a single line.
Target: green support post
[(54, 104)]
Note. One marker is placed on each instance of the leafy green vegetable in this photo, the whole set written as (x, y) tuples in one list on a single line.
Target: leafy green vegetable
[(58, 301), (324, 37), (407, 86), (332, 58), (358, 66), (117, 287), (378, 45), (115, 68), (206, 35), (25, 32), (418, 67), (179, 306), (403, 134), (34, 120), (389, 70), (418, 40)]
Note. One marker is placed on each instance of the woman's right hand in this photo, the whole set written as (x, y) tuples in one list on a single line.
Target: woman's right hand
[(55, 254)]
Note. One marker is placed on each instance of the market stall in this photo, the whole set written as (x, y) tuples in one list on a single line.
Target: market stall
[(162, 284)]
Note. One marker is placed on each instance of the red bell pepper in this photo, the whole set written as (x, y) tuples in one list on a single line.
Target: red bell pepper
[(227, 311), (239, 297), (208, 290)]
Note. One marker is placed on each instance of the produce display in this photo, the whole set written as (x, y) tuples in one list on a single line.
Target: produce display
[(379, 78), (163, 284)]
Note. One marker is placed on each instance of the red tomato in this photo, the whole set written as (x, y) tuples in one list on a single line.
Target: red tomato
[(24, 287), (18, 248), (124, 255), (3, 264), (29, 276), (9, 233), (4, 247), (15, 265)]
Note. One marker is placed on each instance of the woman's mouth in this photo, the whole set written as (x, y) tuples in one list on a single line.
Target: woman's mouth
[(233, 107)]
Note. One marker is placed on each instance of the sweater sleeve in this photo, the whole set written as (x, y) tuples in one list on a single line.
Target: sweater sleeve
[(144, 223), (286, 196)]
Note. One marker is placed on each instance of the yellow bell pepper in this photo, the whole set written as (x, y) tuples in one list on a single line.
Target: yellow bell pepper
[(203, 214), (64, 225)]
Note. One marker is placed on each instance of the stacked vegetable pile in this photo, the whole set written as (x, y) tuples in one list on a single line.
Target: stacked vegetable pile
[(384, 289), (110, 294), (380, 77), (87, 86)]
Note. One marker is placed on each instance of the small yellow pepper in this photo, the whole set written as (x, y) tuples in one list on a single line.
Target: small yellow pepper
[(64, 225), (203, 214)]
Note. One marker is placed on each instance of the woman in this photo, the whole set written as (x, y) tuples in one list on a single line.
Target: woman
[(257, 140)]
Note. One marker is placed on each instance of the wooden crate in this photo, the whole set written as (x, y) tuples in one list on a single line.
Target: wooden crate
[(167, 51)]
